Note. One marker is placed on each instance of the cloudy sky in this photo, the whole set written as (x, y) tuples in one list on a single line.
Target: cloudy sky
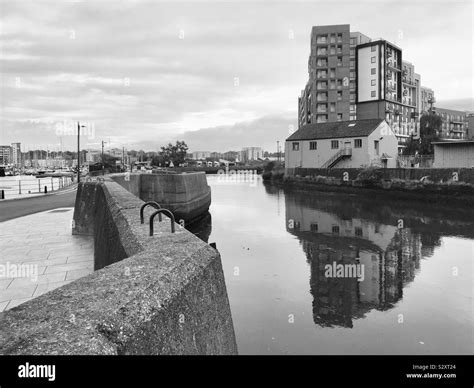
[(220, 75)]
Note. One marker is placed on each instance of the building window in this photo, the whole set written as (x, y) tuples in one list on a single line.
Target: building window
[(373, 71), (372, 82), (321, 118), (313, 145), (339, 95), (352, 63), (352, 97), (332, 107), (358, 231), (339, 61), (373, 48), (352, 84), (376, 147), (322, 39), (353, 41), (372, 60), (333, 39), (296, 146), (339, 117), (372, 93), (352, 108), (334, 144), (332, 84), (357, 143), (352, 74), (332, 73), (352, 52), (313, 227), (352, 117), (339, 38), (335, 228), (339, 49), (339, 83), (332, 50)]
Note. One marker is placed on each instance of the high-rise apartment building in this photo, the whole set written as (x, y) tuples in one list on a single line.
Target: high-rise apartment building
[(16, 154), (330, 94), (387, 88), (352, 77), (5, 155)]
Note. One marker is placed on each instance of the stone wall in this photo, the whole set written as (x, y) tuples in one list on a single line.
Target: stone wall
[(435, 174), (161, 294)]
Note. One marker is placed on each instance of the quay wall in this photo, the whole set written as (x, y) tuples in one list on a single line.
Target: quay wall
[(187, 195), (161, 294), (465, 175)]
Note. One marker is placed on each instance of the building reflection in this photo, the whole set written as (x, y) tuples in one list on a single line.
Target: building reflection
[(390, 257)]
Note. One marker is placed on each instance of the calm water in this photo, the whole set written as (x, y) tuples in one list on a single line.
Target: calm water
[(416, 296)]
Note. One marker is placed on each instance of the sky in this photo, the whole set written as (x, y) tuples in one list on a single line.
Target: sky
[(219, 75)]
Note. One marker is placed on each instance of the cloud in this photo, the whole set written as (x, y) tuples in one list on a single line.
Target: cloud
[(124, 66)]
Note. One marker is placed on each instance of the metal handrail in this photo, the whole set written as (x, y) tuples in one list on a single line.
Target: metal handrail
[(159, 211), (341, 153), (155, 204)]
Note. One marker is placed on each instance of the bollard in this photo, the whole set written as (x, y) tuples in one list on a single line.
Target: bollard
[(46, 189), (52, 184), (3, 194), (39, 185)]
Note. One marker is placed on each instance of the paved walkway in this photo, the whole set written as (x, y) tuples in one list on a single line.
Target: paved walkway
[(39, 254)]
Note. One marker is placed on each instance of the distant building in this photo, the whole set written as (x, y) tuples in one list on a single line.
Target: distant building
[(216, 155), (251, 153), (346, 144), (16, 154), (453, 154), (455, 123), (231, 156), (198, 155), (5, 155), (93, 156), (427, 98), (470, 126)]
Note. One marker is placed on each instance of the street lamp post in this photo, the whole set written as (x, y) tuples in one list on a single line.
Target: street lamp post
[(79, 126)]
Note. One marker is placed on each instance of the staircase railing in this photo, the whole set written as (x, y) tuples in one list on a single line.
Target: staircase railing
[(338, 155)]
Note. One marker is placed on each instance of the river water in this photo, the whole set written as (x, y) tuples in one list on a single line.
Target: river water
[(412, 295)]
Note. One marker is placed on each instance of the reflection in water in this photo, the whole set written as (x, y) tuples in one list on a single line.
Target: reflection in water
[(202, 228), (387, 244)]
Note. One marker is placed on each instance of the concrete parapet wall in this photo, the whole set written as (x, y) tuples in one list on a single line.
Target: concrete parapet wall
[(188, 195), (162, 294)]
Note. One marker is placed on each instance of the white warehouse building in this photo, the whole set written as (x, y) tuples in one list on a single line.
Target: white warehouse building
[(343, 144)]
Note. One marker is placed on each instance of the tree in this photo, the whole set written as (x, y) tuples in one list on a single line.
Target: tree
[(175, 153), (430, 130)]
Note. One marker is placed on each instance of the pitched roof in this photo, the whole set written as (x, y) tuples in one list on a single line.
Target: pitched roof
[(353, 128)]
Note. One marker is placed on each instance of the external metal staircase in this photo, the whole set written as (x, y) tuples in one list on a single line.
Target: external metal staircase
[(333, 160)]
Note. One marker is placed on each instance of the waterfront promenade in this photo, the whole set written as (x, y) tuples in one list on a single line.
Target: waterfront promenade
[(39, 253)]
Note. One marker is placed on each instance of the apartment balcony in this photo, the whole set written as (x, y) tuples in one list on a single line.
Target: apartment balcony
[(393, 65)]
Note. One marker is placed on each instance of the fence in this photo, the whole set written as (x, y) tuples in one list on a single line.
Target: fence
[(418, 161), (22, 186)]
